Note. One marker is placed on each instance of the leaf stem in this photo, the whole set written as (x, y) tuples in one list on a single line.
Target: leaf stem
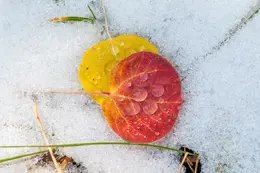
[(106, 94)]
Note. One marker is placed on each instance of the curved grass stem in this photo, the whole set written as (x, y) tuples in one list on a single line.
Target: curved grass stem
[(22, 156), (98, 143)]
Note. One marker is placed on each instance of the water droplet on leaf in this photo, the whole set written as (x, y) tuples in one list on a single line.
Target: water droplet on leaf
[(120, 98), (132, 108), (122, 43), (157, 90), (150, 107), (98, 77), (140, 95), (128, 84), (109, 66), (141, 48), (161, 100), (143, 77)]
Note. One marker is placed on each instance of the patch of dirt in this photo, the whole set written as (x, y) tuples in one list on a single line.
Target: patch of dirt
[(190, 161)]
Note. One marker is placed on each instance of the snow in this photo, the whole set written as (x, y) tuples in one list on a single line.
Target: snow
[(219, 118), (183, 30), (223, 105)]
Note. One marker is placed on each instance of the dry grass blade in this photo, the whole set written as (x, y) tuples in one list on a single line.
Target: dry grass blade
[(35, 110), (190, 164), (183, 160), (107, 29), (197, 164), (66, 161)]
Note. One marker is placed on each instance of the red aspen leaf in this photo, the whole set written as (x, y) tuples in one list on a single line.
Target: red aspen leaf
[(145, 98)]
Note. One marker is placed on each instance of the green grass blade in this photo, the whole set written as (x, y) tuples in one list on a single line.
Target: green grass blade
[(72, 19), (94, 16), (21, 156), (95, 144)]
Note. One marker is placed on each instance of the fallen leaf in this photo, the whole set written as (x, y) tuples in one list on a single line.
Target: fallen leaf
[(99, 60), (145, 98)]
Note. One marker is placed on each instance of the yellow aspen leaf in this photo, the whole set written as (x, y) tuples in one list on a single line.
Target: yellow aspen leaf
[(100, 59)]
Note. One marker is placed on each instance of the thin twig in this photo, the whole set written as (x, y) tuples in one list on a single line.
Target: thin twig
[(183, 160), (197, 164), (107, 29), (35, 110)]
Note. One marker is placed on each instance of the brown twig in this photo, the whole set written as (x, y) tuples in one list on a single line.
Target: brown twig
[(35, 110)]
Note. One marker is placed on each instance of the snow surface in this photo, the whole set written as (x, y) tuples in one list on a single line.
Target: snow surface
[(219, 118)]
